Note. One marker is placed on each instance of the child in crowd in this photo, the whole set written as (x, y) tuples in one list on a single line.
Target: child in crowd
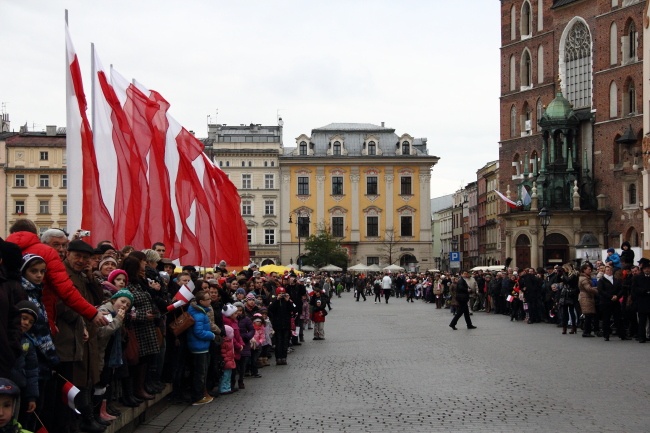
[(9, 406), (318, 316), (25, 371), (228, 355), (198, 342), (267, 347), (110, 336), (613, 259), (305, 313), (33, 274), (259, 338), (118, 279)]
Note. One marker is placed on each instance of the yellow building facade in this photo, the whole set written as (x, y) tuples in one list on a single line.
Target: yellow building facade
[(366, 185), (35, 179)]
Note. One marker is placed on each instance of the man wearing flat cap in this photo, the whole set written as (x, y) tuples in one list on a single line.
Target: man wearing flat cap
[(76, 342)]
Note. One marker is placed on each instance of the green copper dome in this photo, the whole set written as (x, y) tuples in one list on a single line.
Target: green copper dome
[(559, 108)]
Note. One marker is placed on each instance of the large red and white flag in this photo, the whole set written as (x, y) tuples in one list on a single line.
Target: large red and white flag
[(148, 176), (86, 208)]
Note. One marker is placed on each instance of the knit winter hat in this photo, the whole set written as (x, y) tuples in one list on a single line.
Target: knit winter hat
[(240, 291), (107, 260), (228, 310), (115, 273), (28, 259), (28, 307), (250, 296), (123, 294), (238, 305)]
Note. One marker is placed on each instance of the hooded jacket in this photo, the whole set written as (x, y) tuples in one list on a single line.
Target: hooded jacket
[(57, 284)]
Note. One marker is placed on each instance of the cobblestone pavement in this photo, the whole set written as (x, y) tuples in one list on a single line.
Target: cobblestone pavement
[(399, 367)]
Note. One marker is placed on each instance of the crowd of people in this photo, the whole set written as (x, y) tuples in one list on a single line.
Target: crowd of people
[(605, 298), (103, 325)]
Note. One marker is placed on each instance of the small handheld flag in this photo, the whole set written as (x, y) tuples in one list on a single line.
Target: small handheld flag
[(69, 393), (182, 297)]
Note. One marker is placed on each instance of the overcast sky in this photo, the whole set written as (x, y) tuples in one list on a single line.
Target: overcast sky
[(429, 68)]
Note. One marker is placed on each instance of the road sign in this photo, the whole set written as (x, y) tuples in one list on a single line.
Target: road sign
[(454, 260)]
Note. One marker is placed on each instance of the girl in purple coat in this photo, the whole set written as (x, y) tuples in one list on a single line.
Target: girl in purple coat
[(247, 331)]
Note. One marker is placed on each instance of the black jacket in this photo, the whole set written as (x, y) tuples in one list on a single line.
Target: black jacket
[(462, 290), (641, 293), (607, 290)]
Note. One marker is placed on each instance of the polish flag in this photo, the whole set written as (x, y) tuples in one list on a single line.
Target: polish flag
[(144, 177), (182, 297), (69, 393), (510, 203), (86, 208)]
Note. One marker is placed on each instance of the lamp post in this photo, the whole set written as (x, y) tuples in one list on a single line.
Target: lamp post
[(300, 222), (544, 220)]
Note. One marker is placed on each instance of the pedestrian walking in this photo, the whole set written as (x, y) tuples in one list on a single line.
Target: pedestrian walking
[(462, 297)]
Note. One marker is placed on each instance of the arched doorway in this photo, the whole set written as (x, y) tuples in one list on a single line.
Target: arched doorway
[(632, 236), (267, 262), (557, 249), (522, 251), (408, 262)]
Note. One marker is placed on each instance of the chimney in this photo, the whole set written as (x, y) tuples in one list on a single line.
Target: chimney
[(50, 130), (382, 124)]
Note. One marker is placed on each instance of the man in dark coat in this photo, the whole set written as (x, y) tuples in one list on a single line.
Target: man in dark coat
[(641, 298), (462, 297), (280, 312), (296, 291)]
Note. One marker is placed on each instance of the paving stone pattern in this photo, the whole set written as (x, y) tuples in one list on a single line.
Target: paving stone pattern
[(400, 368)]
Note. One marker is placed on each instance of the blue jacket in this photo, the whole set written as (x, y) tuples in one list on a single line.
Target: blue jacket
[(200, 336), (615, 259)]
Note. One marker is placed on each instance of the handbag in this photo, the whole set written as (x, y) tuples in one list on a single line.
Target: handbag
[(181, 323), (131, 350)]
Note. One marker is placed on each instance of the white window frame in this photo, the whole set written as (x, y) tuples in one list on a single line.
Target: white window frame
[(43, 180), (247, 207), (44, 207), (19, 182), (269, 181), (269, 236), (246, 181), (269, 207), (19, 206)]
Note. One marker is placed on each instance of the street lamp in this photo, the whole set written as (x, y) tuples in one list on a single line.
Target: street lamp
[(301, 222), (544, 220)]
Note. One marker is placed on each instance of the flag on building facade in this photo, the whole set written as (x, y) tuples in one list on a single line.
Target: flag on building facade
[(525, 197), (510, 203), (148, 176)]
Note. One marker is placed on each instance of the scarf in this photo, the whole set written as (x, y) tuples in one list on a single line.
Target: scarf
[(41, 329)]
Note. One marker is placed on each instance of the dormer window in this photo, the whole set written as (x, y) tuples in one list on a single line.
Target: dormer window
[(372, 148), (336, 148), (303, 148), (406, 148)]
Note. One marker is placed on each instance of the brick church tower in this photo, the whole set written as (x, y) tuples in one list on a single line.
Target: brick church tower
[(571, 116)]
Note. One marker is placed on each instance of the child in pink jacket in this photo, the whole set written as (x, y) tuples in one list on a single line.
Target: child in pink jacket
[(228, 356)]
